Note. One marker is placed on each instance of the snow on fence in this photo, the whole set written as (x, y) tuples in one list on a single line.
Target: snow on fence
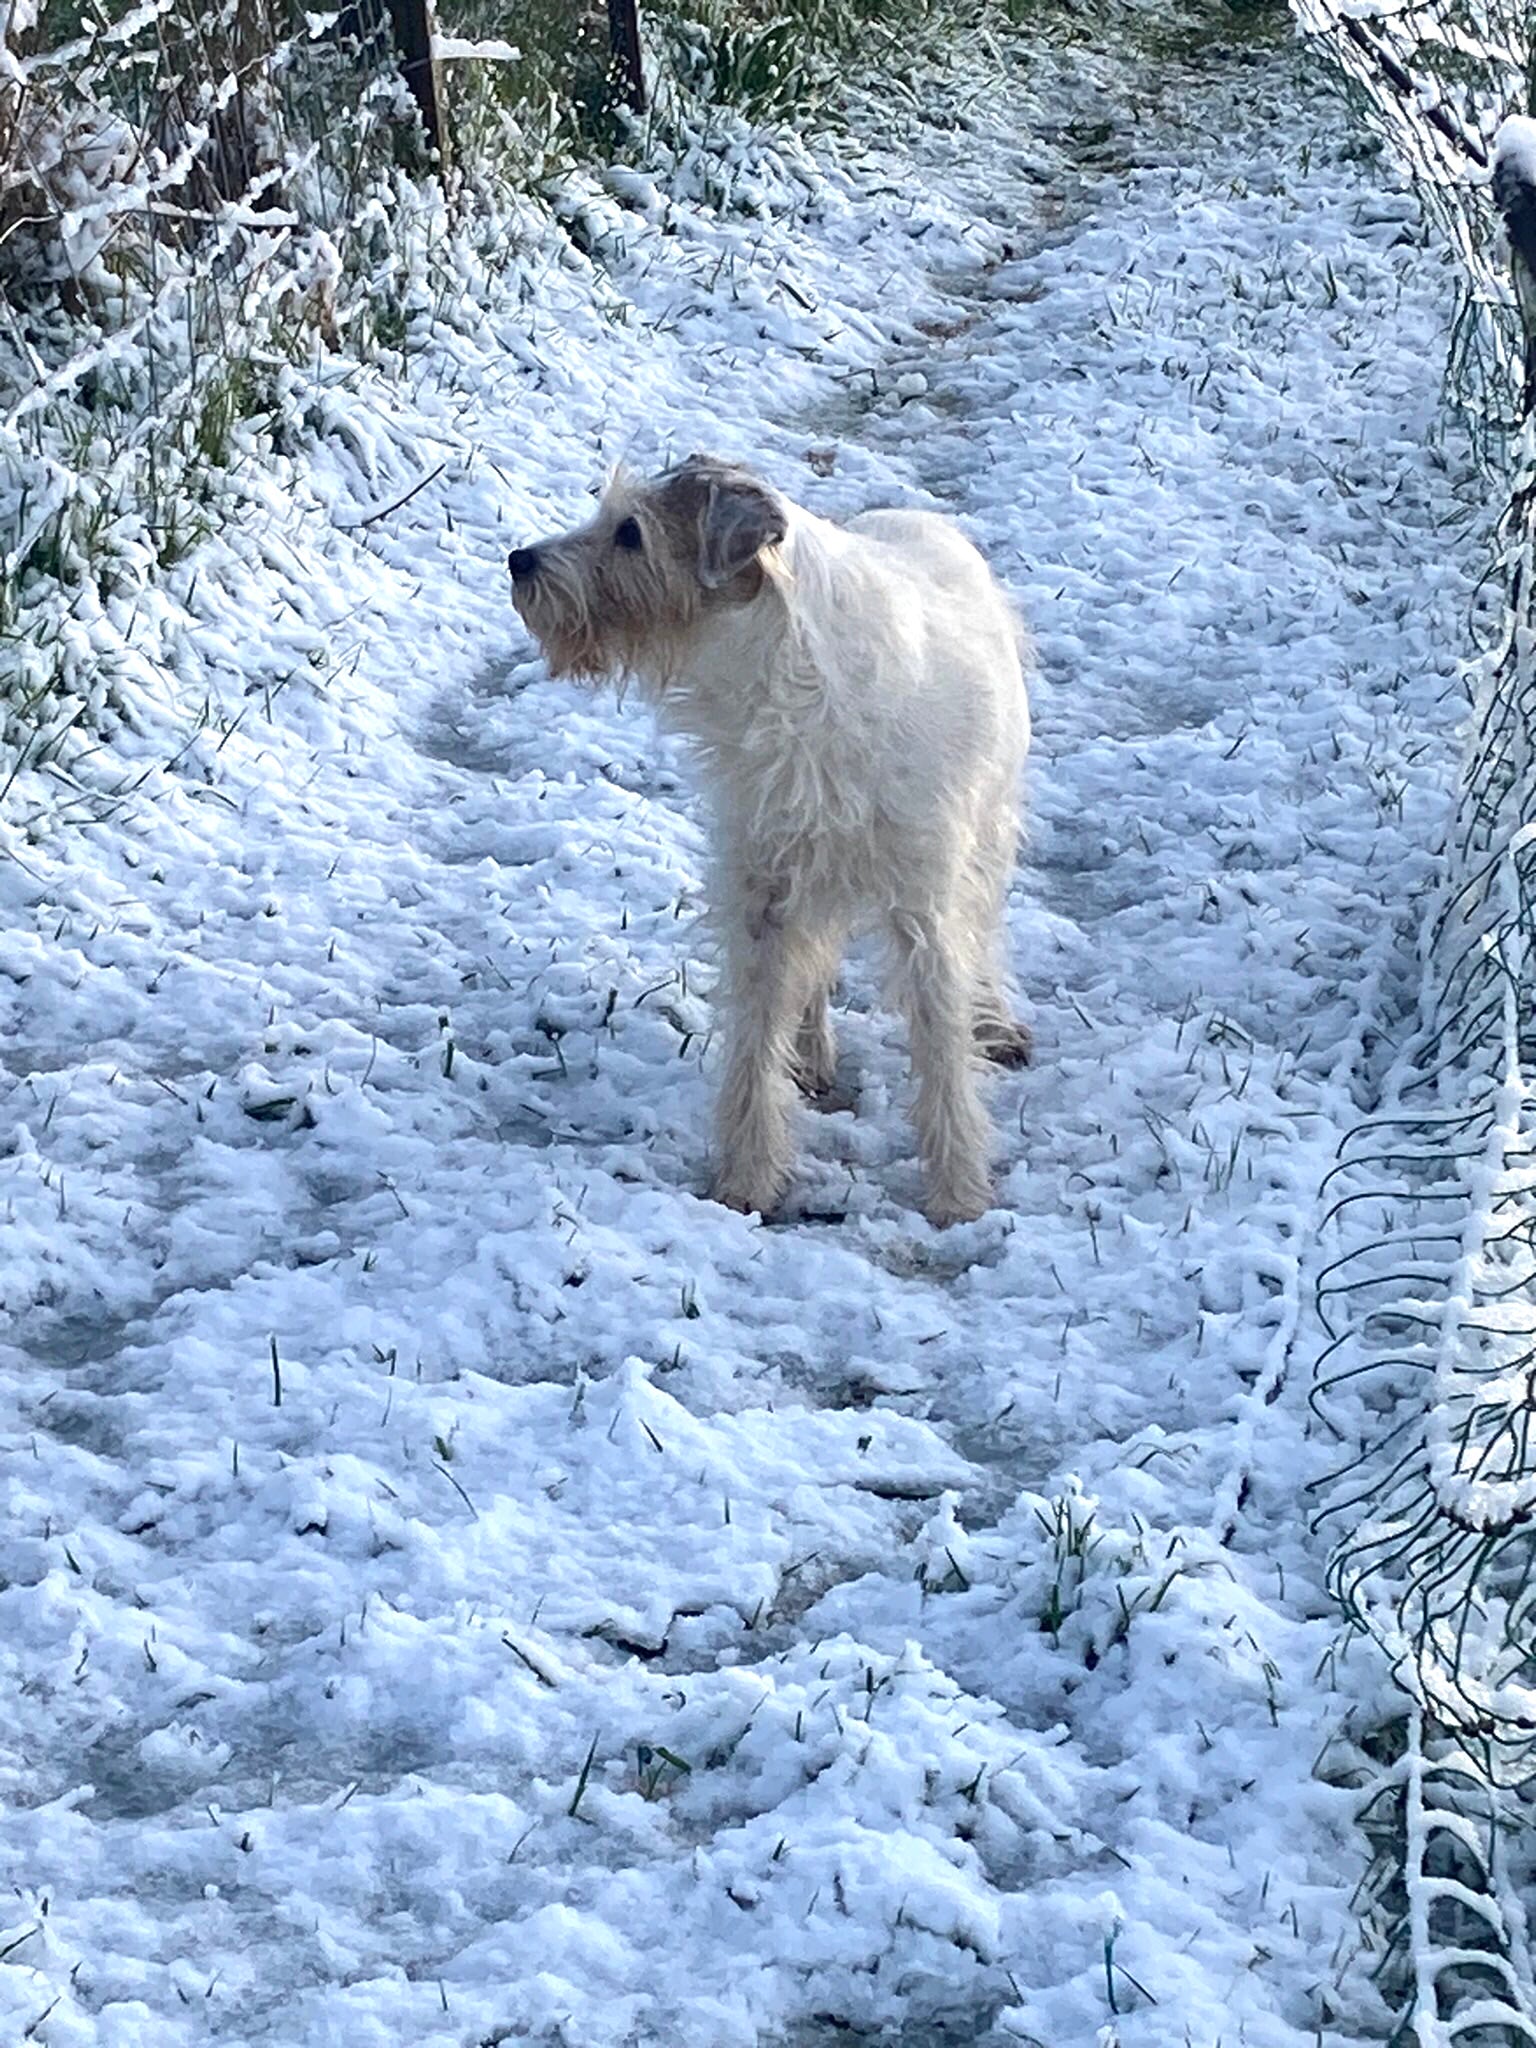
[(1429, 1292)]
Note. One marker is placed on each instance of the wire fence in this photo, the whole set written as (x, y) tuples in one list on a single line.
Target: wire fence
[(1429, 1297)]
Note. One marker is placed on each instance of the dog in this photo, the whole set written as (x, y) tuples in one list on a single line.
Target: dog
[(856, 699)]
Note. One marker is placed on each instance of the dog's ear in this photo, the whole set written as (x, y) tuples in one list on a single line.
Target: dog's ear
[(741, 518)]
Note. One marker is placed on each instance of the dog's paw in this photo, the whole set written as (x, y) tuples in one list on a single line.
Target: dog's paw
[(813, 1067), (1004, 1041), (962, 1204), (814, 1078), (746, 1193)]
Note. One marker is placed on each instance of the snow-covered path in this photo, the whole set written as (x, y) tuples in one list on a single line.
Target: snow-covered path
[(457, 1585)]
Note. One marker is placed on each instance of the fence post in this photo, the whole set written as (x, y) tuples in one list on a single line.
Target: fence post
[(1514, 194), (624, 43), (414, 26)]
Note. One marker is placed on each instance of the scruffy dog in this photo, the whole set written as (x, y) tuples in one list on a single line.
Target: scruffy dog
[(857, 702)]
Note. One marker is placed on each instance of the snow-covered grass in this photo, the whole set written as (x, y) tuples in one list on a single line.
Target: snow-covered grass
[(458, 1584), (212, 218)]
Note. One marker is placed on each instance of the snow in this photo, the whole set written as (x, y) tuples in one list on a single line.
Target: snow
[(493, 49), (1514, 148), (456, 1583)]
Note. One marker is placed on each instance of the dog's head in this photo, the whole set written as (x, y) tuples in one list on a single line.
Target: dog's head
[(628, 592)]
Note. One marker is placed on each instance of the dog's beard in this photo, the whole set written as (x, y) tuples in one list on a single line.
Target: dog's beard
[(578, 648), (571, 644), (577, 656)]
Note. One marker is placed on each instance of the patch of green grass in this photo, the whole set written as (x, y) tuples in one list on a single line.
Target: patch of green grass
[(767, 71), (555, 105)]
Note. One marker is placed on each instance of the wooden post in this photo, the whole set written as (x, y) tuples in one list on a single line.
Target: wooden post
[(414, 27), (1514, 194), (624, 43), (368, 26)]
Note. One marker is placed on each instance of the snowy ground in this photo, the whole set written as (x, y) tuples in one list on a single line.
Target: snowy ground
[(456, 1584)]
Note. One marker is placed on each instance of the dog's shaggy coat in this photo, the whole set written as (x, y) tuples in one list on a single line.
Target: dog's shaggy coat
[(857, 701)]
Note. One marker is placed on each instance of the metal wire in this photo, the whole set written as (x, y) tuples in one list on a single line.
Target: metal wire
[(1431, 1363)]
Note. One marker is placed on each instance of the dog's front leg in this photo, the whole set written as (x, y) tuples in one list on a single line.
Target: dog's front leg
[(767, 972)]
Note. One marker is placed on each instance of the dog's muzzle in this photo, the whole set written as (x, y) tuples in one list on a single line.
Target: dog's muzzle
[(524, 564)]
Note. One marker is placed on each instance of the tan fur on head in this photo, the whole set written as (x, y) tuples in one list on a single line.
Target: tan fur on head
[(628, 592)]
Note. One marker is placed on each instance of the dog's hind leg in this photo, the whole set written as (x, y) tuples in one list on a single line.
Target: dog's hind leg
[(815, 1056), (999, 1034), (935, 977), (771, 968)]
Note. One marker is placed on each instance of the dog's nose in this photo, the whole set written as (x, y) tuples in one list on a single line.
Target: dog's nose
[(523, 562)]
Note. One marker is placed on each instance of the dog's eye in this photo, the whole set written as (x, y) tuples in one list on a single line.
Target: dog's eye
[(626, 535)]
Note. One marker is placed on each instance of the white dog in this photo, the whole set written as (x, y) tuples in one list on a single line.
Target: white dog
[(856, 698)]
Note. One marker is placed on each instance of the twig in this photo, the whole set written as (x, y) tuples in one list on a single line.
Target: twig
[(374, 517)]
